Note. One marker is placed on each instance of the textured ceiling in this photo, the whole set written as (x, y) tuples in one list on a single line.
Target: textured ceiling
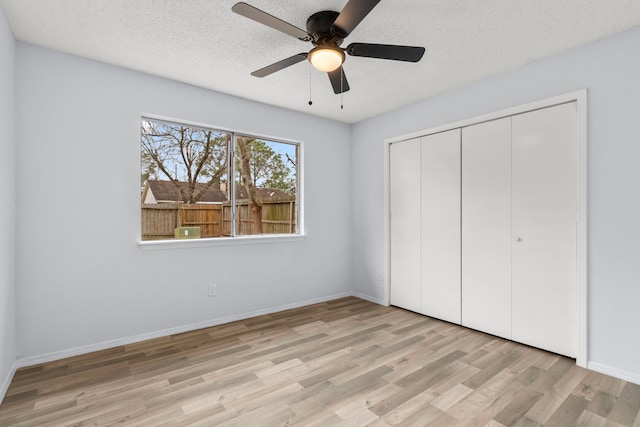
[(203, 43)]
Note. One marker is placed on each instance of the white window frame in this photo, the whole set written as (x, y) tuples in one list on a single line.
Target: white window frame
[(233, 240)]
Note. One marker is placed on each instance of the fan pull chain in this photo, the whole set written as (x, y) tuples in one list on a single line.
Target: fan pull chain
[(310, 102), (341, 88)]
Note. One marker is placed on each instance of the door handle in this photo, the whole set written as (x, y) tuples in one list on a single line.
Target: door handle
[(518, 239)]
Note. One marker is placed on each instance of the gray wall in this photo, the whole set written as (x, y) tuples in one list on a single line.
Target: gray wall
[(82, 278), (7, 204), (609, 69)]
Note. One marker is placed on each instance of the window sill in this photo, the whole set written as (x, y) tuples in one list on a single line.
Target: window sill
[(154, 245)]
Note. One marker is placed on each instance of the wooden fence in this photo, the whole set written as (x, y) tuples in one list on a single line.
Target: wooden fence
[(159, 221), (277, 218)]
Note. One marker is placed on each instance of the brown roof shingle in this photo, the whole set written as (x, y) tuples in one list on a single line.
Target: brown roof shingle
[(168, 191)]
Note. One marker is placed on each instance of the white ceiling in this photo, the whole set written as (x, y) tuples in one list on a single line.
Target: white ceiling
[(202, 42)]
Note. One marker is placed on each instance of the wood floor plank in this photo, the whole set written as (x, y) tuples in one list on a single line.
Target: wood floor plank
[(417, 407), (526, 422), (601, 404), (560, 393), (362, 403), (428, 416), (346, 362), (450, 397), (517, 407), (568, 412), (627, 405), (589, 419)]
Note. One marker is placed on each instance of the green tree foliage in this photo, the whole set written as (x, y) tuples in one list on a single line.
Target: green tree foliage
[(269, 169)]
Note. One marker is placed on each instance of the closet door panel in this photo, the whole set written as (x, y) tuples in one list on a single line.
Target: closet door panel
[(544, 229), (440, 234), (404, 187), (486, 227)]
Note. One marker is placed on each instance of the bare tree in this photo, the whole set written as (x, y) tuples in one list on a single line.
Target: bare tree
[(185, 154)]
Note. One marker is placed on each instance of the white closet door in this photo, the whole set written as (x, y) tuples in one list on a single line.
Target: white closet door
[(486, 227), (440, 207), (404, 187), (544, 197)]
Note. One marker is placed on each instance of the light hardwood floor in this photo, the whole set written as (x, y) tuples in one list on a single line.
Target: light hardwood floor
[(346, 362)]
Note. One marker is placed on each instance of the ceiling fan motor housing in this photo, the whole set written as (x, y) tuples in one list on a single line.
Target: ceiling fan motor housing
[(319, 26)]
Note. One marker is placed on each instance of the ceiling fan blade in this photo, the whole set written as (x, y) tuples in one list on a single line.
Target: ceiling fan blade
[(280, 65), (386, 51), (352, 14), (338, 80), (258, 15)]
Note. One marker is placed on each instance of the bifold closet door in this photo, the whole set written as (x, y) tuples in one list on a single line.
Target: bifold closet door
[(544, 214), (440, 225), (486, 227), (404, 189)]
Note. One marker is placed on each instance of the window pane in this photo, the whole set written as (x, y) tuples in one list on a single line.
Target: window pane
[(266, 186), (187, 190), (184, 176)]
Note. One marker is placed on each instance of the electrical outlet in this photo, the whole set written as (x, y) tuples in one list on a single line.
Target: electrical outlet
[(213, 289)]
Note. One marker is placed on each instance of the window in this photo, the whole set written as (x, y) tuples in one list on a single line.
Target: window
[(199, 182)]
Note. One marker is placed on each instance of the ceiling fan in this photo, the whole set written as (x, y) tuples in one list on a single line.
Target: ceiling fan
[(326, 30)]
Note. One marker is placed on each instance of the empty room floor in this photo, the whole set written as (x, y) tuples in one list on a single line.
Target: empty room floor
[(346, 362)]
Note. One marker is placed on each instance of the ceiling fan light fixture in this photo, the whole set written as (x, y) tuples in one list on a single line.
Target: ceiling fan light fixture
[(326, 58)]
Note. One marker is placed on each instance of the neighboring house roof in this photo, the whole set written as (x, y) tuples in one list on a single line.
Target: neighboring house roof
[(168, 191), (159, 191)]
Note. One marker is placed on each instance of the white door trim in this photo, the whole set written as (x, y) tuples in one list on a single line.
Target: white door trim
[(580, 97)]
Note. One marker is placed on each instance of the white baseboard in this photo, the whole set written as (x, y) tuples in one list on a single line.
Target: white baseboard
[(378, 301), (57, 355), (7, 380), (614, 372)]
